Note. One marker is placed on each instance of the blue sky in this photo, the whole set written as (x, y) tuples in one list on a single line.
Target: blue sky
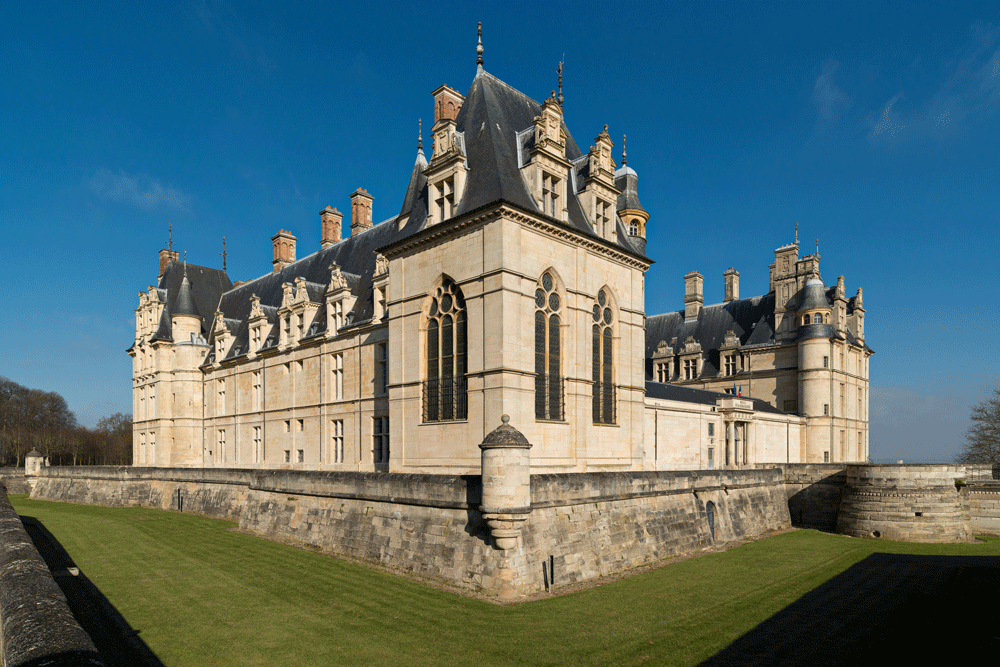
[(875, 126)]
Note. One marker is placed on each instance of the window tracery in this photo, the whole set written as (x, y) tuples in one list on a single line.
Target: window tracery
[(548, 350), (445, 389)]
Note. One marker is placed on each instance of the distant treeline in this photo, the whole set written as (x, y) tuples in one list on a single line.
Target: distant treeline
[(35, 419)]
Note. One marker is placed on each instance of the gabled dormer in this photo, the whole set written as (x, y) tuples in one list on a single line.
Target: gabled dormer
[(223, 339), (690, 359), (339, 301), (380, 287), (296, 313), (600, 196), (447, 169), (258, 327), (547, 172), (663, 362)]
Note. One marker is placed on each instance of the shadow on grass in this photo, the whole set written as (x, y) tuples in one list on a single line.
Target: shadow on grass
[(896, 608), (117, 642)]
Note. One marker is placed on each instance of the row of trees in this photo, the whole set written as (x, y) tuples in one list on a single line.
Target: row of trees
[(982, 440), (35, 419)]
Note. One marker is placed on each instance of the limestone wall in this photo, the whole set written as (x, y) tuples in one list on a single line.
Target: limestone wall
[(36, 625), (814, 493), (591, 524), (984, 507), (914, 503), (14, 481)]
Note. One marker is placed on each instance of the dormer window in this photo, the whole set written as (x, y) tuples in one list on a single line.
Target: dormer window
[(446, 198), (603, 218), (633, 228), (256, 335), (730, 363), (550, 194)]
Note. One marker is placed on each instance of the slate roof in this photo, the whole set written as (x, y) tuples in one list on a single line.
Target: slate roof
[(752, 321), (492, 126), (206, 287), (674, 392)]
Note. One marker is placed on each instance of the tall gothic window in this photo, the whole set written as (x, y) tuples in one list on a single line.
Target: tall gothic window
[(548, 351), (445, 389), (603, 361)]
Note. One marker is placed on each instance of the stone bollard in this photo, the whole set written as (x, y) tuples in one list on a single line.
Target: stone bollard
[(32, 466), (506, 474)]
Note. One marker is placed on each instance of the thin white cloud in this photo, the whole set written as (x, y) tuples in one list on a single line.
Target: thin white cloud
[(886, 123), (830, 100), (139, 190), (219, 16)]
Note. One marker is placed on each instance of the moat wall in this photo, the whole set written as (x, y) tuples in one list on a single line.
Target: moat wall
[(590, 524)]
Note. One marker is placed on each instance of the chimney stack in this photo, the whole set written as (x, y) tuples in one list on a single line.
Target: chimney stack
[(284, 250), (167, 256), (361, 211), (732, 278), (694, 297), (329, 221), (447, 103)]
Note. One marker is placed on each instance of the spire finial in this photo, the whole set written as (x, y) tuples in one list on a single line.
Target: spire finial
[(796, 233), (624, 161), (559, 72), (817, 248), (420, 135), (185, 263), (224, 254), (479, 48), (170, 236)]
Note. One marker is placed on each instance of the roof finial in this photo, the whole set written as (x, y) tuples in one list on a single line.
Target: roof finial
[(624, 161), (185, 263), (170, 236), (817, 248), (796, 233), (559, 72), (224, 254), (479, 48), (420, 135)]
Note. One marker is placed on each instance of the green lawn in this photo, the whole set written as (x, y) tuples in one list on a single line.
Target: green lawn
[(204, 595)]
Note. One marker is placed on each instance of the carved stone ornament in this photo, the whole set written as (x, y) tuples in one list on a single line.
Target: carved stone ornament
[(220, 322), (255, 309), (287, 295), (381, 264), (301, 293), (731, 340), (858, 300), (337, 279), (840, 287), (691, 345)]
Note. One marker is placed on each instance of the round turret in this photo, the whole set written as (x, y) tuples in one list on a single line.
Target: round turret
[(814, 309)]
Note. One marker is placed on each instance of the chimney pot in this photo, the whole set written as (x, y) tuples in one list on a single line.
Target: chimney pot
[(330, 226), (732, 280), (361, 211), (694, 296), (167, 256)]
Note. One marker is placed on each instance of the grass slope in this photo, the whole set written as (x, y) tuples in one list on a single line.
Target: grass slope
[(204, 595)]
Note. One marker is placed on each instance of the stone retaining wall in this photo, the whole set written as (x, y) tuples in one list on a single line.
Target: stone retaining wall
[(814, 493), (913, 503), (14, 481), (984, 508), (590, 524), (36, 625)]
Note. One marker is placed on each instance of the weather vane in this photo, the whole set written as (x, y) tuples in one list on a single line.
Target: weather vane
[(479, 47), (170, 236), (224, 254), (624, 161), (559, 72), (796, 233)]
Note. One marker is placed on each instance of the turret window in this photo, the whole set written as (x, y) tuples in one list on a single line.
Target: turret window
[(548, 351), (445, 389), (633, 228), (603, 361)]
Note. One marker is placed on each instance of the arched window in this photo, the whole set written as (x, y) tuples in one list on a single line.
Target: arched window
[(633, 228), (818, 318), (548, 350), (445, 389), (603, 361)]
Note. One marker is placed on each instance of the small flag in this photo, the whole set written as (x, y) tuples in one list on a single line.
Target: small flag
[(741, 392), (734, 389)]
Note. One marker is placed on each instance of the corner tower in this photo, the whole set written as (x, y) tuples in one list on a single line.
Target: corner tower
[(633, 216)]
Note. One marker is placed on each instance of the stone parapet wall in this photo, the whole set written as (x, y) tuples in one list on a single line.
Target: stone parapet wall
[(14, 480), (591, 524), (36, 625), (913, 503), (814, 492), (984, 508)]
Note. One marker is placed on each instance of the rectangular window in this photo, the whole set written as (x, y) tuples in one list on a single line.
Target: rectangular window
[(380, 439), (257, 393), (142, 447), (298, 366), (711, 458), (222, 396), (288, 456), (843, 405), (221, 444), (381, 370), (301, 425), (603, 218), (843, 445), (337, 365), (337, 440), (256, 339), (550, 195), (826, 409), (142, 403), (288, 425), (152, 447), (826, 362), (860, 446), (711, 430), (152, 401), (258, 445), (300, 456), (826, 457), (338, 315)]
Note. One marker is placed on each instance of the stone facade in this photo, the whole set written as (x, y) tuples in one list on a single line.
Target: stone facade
[(512, 281)]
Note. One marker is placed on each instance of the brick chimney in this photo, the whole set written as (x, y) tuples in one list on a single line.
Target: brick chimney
[(361, 211), (329, 221), (732, 278), (284, 250), (447, 103), (166, 256), (694, 296)]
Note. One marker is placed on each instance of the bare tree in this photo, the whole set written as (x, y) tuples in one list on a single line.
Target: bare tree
[(982, 440)]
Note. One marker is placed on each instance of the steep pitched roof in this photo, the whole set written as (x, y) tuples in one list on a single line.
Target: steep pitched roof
[(674, 392), (206, 287)]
